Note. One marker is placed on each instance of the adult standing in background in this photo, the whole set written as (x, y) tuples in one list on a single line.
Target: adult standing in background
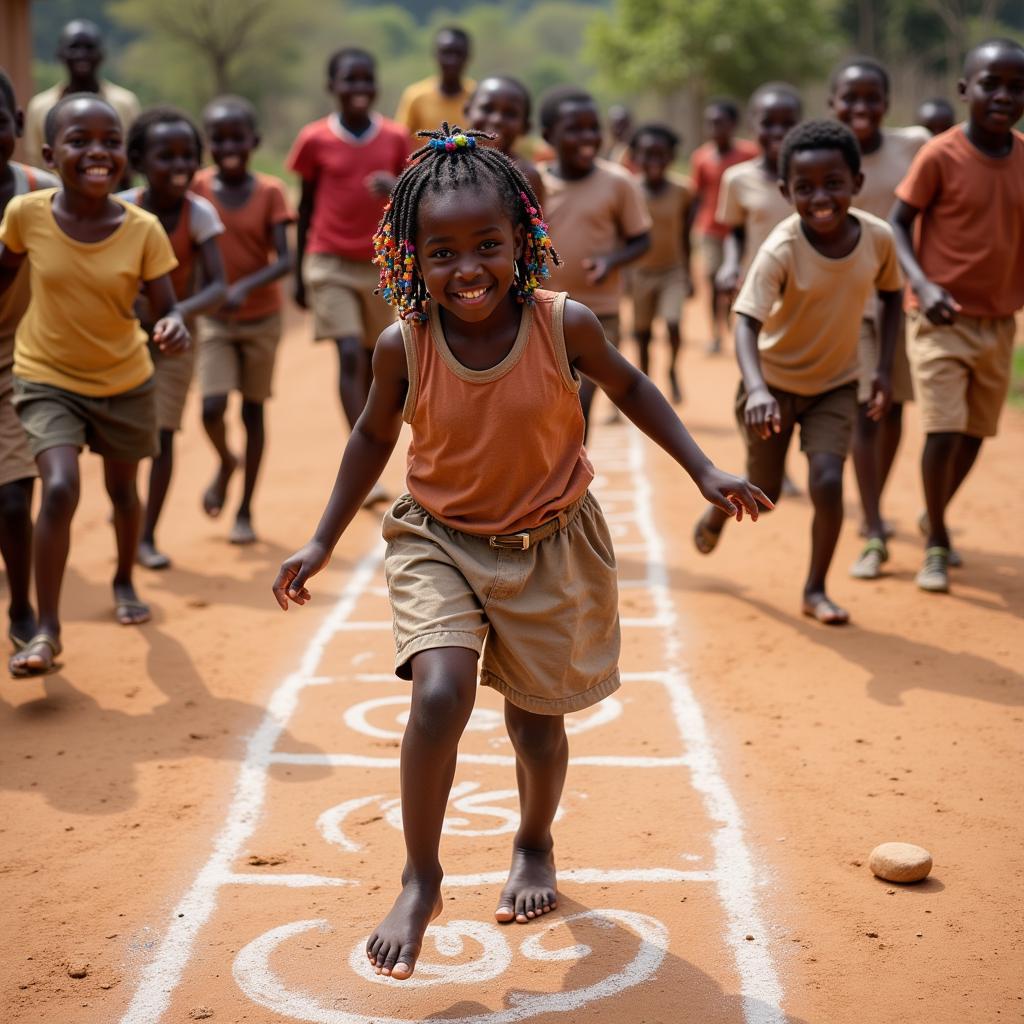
[(442, 97), (80, 48)]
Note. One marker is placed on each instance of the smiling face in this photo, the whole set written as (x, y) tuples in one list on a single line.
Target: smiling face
[(466, 247), (653, 156), (231, 138), (576, 137), (498, 107), (354, 85), (170, 159), (773, 116), (720, 126), (452, 54), (993, 88), (860, 101), (88, 148), (821, 186), (81, 49)]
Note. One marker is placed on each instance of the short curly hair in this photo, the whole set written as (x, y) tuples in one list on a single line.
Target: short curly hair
[(819, 135), (865, 64), (554, 99), (138, 134)]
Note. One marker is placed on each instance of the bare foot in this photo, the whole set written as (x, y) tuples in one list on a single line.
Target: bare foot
[(394, 947), (530, 890), (150, 558), (128, 609), (214, 495), (825, 610)]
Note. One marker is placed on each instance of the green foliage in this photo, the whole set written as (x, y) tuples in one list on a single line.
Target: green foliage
[(713, 46)]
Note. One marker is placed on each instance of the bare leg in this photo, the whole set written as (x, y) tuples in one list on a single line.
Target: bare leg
[(716, 332), (16, 548), (58, 470), (945, 462), (866, 443), (643, 346), (354, 375), (160, 470), (255, 440), (214, 408), (119, 477), (443, 693), (675, 345), (825, 483), (542, 757)]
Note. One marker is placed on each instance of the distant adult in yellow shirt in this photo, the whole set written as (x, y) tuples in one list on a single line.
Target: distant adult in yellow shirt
[(80, 49), (442, 97)]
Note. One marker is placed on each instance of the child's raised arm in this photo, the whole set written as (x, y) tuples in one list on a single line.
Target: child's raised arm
[(936, 303), (636, 395), (369, 447)]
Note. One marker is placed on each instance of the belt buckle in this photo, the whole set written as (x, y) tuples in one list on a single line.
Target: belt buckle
[(508, 541)]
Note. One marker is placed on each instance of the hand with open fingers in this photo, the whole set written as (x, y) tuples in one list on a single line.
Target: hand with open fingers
[(937, 304), (171, 336), (597, 268), (881, 396), (290, 584), (762, 414), (732, 494)]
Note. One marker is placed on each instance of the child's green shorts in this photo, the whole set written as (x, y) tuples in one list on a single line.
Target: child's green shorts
[(545, 618)]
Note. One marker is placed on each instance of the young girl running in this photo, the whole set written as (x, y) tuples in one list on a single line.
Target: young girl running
[(165, 147), (505, 557), (82, 373)]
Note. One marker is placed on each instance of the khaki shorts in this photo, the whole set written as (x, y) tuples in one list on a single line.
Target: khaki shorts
[(121, 427), (238, 356), (826, 425), (172, 375), (712, 253), (341, 294), (961, 372), (546, 619), (902, 384), (658, 294), (16, 462)]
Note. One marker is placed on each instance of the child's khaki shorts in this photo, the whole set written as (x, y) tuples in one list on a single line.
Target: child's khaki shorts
[(341, 294), (657, 294), (16, 462), (238, 356), (121, 427), (961, 372), (172, 376), (902, 383), (546, 618)]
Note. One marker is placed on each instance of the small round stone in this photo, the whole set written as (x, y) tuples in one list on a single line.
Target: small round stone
[(900, 862)]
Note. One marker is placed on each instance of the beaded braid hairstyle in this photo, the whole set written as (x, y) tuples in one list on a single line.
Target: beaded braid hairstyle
[(452, 159)]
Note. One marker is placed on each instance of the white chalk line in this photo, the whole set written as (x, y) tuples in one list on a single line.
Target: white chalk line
[(365, 761), (163, 973), (734, 864)]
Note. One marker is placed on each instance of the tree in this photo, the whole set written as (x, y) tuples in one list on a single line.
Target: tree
[(713, 46)]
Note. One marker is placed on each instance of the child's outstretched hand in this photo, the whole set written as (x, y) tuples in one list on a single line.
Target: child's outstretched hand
[(762, 414), (171, 336), (881, 397), (937, 304), (732, 494), (290, 584)]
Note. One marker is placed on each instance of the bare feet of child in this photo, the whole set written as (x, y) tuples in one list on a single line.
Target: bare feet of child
[(826, 611), (214, 495), (394, 947), (530, 891), (128, 608)]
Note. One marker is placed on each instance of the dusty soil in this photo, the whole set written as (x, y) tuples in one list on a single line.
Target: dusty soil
[(120, 771)]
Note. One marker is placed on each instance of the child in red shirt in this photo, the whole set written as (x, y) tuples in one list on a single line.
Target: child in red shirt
[(348, 162), (239, 340)]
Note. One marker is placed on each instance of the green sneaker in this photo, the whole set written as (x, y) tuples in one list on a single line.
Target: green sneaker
[(934, 574), (955, 561), (870, 561)]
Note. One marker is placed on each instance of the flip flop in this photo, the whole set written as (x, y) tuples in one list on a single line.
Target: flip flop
[(705, 540), (827, 612), (44, 640), (16, 641), (126, 608)]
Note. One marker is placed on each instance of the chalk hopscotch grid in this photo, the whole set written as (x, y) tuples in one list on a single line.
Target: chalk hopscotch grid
[(733, 874)]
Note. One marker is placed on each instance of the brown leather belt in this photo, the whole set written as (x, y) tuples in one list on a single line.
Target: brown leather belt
[(525, 539)]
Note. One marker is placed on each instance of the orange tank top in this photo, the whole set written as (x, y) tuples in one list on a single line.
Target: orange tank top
[(499, 450)]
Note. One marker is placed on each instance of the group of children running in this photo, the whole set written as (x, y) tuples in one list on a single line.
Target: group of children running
[(475, 297)]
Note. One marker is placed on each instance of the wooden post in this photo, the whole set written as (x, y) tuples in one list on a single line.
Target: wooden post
[(16, 47)]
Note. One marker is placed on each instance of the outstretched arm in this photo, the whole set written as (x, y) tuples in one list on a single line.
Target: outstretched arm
[(369, 447), (936, 303), (238, 292), (636, 395)]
